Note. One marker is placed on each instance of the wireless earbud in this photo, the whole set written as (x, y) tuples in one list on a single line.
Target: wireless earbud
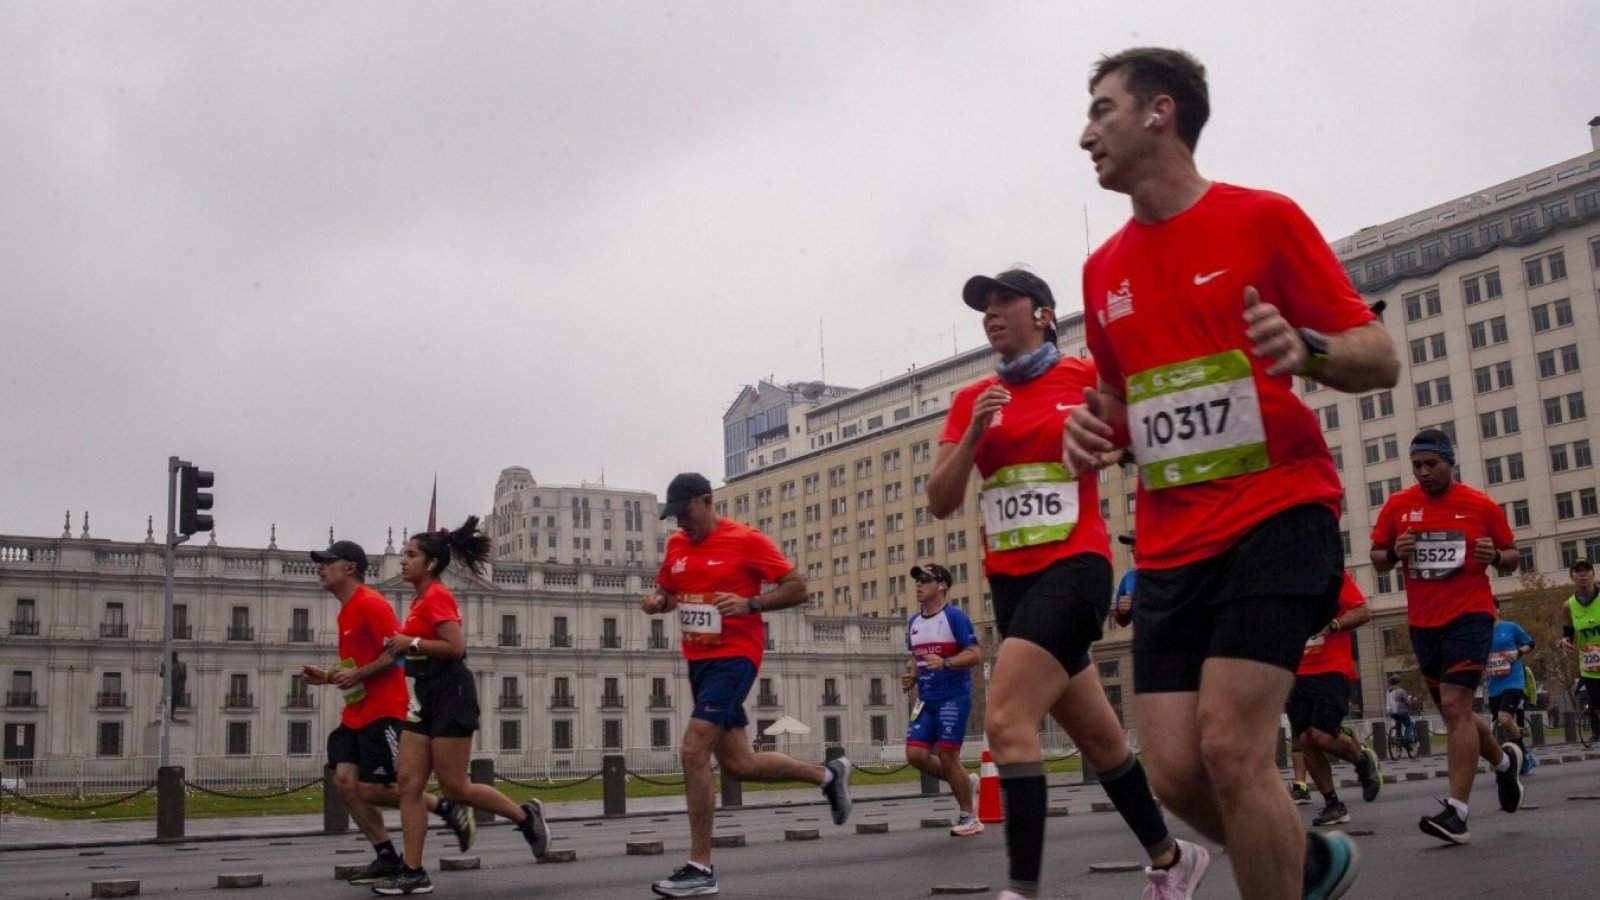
[(1151, 122), (1038, 314)]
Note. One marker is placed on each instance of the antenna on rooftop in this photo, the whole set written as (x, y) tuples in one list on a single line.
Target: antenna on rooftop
[(1087, 250), (822, 351)]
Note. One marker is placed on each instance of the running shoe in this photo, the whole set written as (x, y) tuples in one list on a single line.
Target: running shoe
[(966, 824), (535, 830), (1300, 793), (1529, 762), (1367, 771), (687, 881), (461, 823), (838, 790), (1333, 813), (1510, 781), (377, 870), (406, 881), (1344, 863), (1446, 826), (1179, 882)]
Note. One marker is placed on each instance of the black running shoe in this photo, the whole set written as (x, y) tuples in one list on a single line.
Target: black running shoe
[(1510, 781), (461, 823), (377, 870), (686, 881), (838, 790), (1367, 771), (1333, 813), (406, 881), (1446, 826), (534, 829), (1300, 793)]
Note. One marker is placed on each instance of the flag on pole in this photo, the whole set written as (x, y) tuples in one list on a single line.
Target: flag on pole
[(433, 506)]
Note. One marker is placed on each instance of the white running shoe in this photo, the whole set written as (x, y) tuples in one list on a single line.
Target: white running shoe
[(966, 825), (1179, 882)]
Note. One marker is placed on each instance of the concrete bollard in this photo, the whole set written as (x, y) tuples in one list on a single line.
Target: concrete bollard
[(121, 887), (459, 863), (169, 804), (481, 771), (1424, 738), (614, 785), (646, 848), (1569, 721), (1380, 740), (1536, 725), (1282, 755), (732, 792), (930, 785), (335, 818), (241, 880)]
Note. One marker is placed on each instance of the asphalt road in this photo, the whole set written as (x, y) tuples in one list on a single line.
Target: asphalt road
[(1539, 852)]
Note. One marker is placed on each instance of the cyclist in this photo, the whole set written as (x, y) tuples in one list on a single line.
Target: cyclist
[(1397, 703)]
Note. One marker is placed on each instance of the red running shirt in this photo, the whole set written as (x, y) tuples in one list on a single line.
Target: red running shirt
[(1221, 446), (436, 605), (365, 621), (1443, 580), (735, 559), (1332, 652), (1025, 528)]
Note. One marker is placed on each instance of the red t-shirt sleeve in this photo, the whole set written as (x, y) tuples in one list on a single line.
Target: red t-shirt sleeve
[(960, 417), (379, 618), (1314, 290), (1499, 528), (1108, 368), (1383, 528), (1350, 596), (761, 556), (664, 576)]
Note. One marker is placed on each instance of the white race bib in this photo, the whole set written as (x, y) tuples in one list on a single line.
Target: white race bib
[(1589, 659), (1316, 644), (1195, 421), (1440, 554), (1028, 504), (1499, 664), (699, 618)]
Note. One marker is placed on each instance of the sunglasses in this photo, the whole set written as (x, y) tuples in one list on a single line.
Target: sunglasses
[(926, 579)]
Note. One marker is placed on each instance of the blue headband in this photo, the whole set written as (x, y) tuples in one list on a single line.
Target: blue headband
[(1444, 450)]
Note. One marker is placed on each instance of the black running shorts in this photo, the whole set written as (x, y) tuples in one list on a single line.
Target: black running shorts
[(372, 749), (447, 705), (1059, 607), (1455, 652), (1259, 600), (1319, 701)]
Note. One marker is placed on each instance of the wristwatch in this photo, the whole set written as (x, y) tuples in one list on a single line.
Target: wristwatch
[(1316, 350), (754, 605), (416, 645)]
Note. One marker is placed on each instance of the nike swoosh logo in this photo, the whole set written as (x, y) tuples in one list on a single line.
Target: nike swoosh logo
[(1202, 279), (1460, 516), (713, 562), (1063, 407), (1201, 470)]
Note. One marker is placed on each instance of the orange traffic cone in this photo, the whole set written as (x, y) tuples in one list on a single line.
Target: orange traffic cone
[(989, 810)]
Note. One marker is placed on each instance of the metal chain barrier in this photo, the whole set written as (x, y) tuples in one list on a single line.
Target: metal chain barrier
[(885, 773), (70, 807), (232, 796), (548, 785), (655, 781)]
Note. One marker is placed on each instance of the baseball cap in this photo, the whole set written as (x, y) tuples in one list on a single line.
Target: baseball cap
[(976, 292), (349, 551), (1126, 539), (684, 487), (934, 571), (1394, 679), (1581, 563)]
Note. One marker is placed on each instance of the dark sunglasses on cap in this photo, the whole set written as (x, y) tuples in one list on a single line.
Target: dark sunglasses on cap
[(927, 579)]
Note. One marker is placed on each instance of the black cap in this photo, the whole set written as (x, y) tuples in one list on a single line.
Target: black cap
[(976, 293), (934, 571), (1394, 679), (685, 487), (349, 551), (1581, 563), (1126, 539)]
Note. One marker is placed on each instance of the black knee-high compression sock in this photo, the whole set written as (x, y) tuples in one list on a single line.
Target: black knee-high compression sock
[(1129, 790), (1023, 787)]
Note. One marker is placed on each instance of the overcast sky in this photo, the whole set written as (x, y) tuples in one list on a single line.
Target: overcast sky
[(329, 249)]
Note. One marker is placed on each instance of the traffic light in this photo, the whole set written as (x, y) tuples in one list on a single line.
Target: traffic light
[(192, 500)]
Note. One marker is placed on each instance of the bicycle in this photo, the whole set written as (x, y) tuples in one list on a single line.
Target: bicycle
[(1588, 726), (1400, 744)]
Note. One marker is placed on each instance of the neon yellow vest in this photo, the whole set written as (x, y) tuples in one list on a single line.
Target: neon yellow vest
[(1586, 625)]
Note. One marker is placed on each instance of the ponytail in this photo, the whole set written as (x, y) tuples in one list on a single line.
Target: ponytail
[(467, 544)]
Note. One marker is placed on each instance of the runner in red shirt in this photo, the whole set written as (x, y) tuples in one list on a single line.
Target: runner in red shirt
[(362, 749), (1049, 567), (1321, 699), (1200, 312), (1449, 535), (437, 740), (712, 576)]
